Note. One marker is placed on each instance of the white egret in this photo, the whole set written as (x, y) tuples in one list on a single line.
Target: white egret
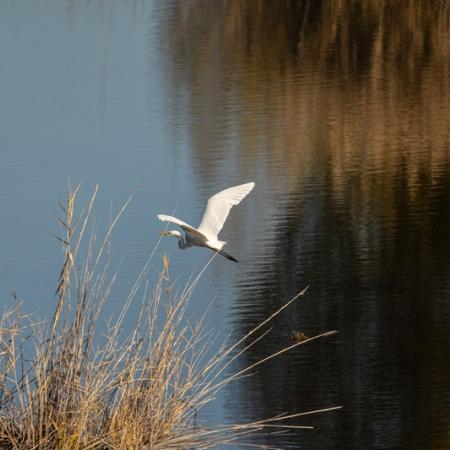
[(216, 212)]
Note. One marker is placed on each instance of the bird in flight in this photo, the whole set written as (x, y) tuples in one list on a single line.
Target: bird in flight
[(216, 212)]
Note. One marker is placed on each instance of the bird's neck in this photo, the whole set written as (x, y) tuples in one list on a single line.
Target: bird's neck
[(181, 241)]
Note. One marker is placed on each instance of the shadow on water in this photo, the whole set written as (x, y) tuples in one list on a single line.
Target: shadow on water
[(340, 112)]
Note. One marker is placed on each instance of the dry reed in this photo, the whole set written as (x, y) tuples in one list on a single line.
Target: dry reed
[(62, 386)]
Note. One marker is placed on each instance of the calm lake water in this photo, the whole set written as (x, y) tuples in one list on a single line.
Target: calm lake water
[(340, 113)]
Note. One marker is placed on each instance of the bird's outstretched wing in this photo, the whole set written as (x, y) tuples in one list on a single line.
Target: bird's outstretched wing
[(218, 208), (179, 222)]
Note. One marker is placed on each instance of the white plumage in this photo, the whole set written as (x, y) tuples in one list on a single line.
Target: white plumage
[(214, 217)]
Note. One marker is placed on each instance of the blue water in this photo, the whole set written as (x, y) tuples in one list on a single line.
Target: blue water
[(337, 111)]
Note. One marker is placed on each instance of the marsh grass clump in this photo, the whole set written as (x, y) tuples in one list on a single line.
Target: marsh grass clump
[(65, 385)]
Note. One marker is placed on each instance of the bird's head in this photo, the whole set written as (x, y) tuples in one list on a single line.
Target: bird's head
[(172, 233)]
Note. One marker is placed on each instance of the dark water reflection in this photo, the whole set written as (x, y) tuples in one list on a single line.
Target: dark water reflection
[(340, 112)]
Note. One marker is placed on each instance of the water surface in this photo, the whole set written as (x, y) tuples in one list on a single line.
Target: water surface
[(340, 114)]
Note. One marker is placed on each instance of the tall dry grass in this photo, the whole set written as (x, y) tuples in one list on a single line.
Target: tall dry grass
[(63, 386)]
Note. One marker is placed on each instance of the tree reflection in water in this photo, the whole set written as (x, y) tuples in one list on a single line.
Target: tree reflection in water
[(341, 110)]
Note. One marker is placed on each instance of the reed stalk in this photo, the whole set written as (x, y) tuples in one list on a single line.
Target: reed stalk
[(62, 386)]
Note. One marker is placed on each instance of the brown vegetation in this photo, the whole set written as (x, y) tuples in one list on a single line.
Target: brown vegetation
[(63, 386)]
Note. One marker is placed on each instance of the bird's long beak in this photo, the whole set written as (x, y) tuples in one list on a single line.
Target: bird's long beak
[(164, 233)]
